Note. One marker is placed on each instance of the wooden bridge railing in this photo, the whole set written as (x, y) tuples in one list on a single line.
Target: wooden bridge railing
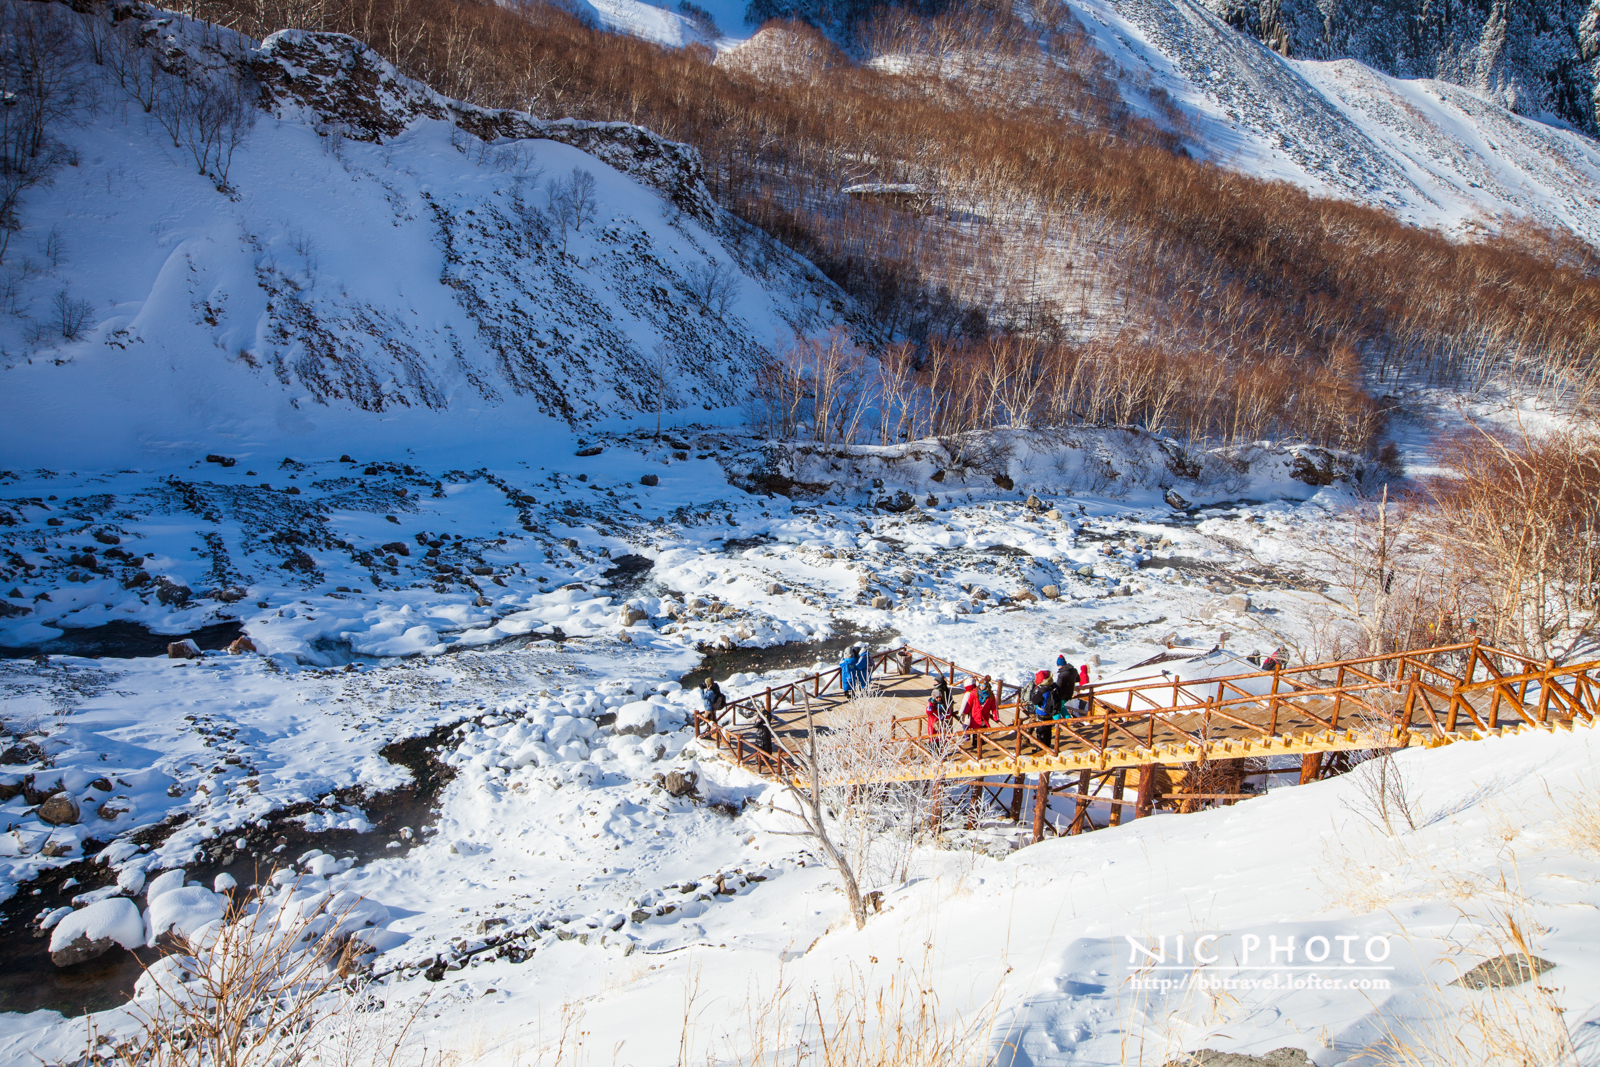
[(1373, 701)]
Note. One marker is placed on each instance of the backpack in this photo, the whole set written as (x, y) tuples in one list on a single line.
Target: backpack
[(1030, 694)]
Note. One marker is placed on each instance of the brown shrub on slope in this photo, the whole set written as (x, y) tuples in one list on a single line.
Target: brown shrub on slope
[(1055, 213)]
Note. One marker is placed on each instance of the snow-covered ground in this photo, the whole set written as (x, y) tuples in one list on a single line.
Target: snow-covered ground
[(654, 920), (554, 844)]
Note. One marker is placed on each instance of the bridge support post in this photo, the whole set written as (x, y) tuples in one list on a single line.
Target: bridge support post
[(1147, 790), (1081, 814), (1118, 779), (1018, 780), (1310, 767), (1041, 801)]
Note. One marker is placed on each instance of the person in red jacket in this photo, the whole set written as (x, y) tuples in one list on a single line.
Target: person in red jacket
[(987, 709), (935, 713), (972, 707)]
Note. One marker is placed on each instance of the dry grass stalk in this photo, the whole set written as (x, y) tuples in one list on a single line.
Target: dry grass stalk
[(275, 981)]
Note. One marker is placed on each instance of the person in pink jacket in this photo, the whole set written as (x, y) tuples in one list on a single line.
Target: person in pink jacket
[(972, 707)]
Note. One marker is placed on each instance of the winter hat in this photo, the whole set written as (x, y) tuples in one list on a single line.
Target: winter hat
[(1061, 661), (1039, 678), (971, 687)]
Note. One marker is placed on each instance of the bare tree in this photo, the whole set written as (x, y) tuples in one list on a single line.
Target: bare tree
[(570, 203), (43, 83), (866, 801), (714, 285), (1385, 796)]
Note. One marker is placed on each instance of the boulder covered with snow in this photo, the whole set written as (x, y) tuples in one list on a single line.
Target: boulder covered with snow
[(163, 883), (92, 931), (182, 912), (638, 718)]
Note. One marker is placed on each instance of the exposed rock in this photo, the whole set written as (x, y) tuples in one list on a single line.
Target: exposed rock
[(1176, 501), (80, 950), (1319, 466), (241, 645), (1278, 1057), (172, 594), (774, 588), (22, 753), (679, 783), (1004, 482), (632, 616), (592, 450), (10, 786), (900, 502), (231, 595), (62, 809), (1239, 602), (1033, 503), (185, 649), (880, 602), (483, 602), (1502, 972), (397, 548), (1052, 514), (1050, 592), (35, 791), (649, 479), (221, 461)]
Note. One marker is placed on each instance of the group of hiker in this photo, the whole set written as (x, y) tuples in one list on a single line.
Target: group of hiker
[(1064, 693), (1047, 697)]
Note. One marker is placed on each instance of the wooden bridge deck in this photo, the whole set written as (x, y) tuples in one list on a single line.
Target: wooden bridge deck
[(1420, 697)]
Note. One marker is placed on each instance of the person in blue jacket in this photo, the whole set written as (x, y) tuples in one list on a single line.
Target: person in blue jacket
[(864, 668), (847, 671)]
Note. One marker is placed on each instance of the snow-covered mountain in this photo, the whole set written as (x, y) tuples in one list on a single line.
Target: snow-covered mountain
[(1433, 152), (1458, 123), (1537, 57), (374, 252)]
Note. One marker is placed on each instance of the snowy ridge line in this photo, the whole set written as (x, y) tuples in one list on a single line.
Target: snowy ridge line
[(1282, 711), (341, 80)]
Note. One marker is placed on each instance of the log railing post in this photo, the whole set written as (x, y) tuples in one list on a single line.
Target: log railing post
[(1545, 679), (1272, 704), (1338, 699), (1119, 779)]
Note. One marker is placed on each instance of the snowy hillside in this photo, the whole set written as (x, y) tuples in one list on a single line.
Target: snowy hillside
[(1429, 150), (1536, 57), (377, 257), (1433, 153)]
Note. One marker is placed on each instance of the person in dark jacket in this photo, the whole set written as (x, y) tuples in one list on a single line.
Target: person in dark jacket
[(1066, 681), (763, 732), (1066, 676), (712, 699), (1044, 705), (941, 690)]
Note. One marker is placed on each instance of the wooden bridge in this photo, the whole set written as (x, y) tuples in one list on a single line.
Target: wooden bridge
[(1424, 697)]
